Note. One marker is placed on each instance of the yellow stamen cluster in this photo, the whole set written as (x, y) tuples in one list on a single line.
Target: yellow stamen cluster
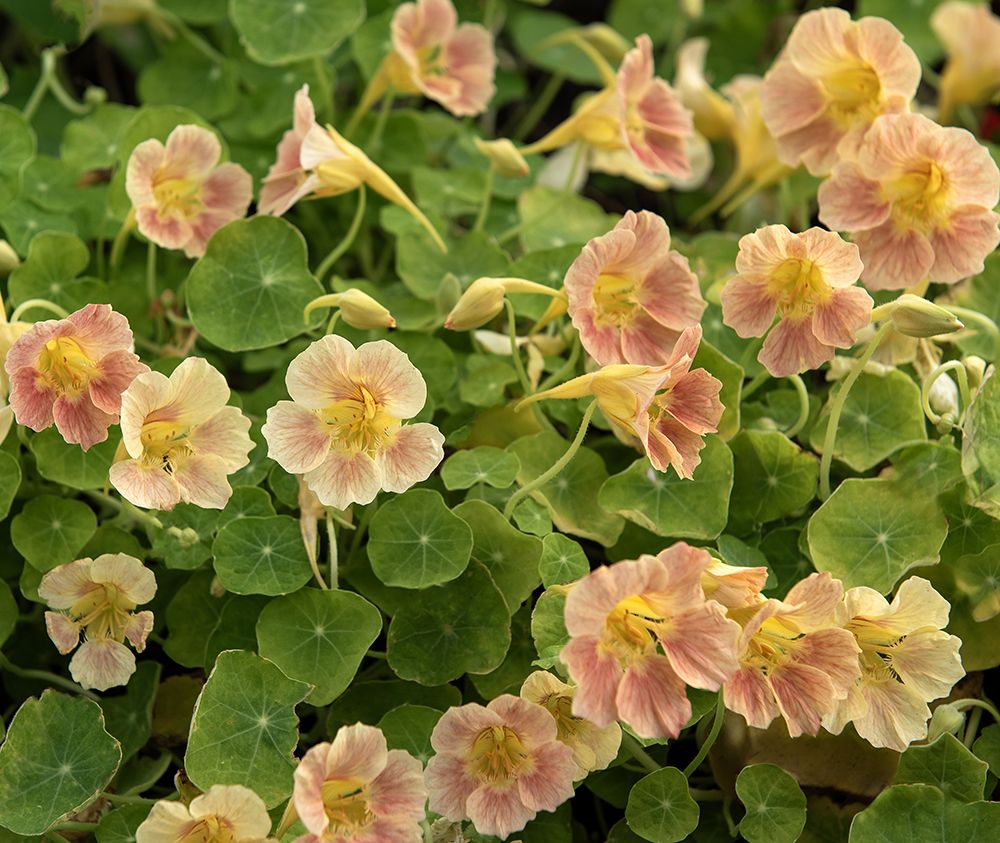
[(103, 612), (210, 829), (630, 629), (498, 755), (854, 93), (360, 423), (177, 197), (614, 300), (345, 802), (66, 366), (919, 197), (799, 287), (165, 443)]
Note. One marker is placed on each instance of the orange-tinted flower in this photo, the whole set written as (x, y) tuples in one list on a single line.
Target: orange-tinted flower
[(970, 33), (279, 187), (224, 812)]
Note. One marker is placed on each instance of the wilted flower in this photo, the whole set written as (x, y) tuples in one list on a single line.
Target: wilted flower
[(432, 55), (224, 812), (795, 662), (357, 790), (918, 200), (906, 661), (631, 295), (594, 747), (279, 187), (831, 80), (639, 630), (343, 427), (181, 195), (181, 438), (498, 765), (98, 598), (807, 279), (970, 33), (72, 372)]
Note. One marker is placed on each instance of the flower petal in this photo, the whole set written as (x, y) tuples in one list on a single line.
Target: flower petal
[(296, 437), (79, 422), (149, 487), (409, 456), (344, 478), (792, 347), (652, 700), (101, 663), (837, 321), (393, 380)]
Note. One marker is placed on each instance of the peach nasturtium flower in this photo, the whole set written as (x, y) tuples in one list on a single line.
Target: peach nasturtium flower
[(970, 33), (906, 660), (498, 765), (97, 598), (181, 439), (831, 80), (433, 55), (795, 661), (72, 372), (343, 427), (225, 812), (639, 630), (279, 187), (631, 295), (357, 790), (666, 410), (918, 200), (180, 193), (808, 280), (594, 747), (734, 586)]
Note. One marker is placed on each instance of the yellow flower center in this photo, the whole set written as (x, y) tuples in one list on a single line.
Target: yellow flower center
[(560, 706), (66, 366), (630, 629), (360, 423), (165, 443), (854, 92), (210, 829), (103, 612), (798, 286), (771, 645), (177, 197), (345, 802), (614, 300), (498, 755), (878, 644), (919, 197)]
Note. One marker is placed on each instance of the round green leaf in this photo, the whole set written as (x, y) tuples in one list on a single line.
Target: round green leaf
[(987, 747), (17, 148), (246, 502), (920, 813), (282, 31), (318, 637), (775, 804), (563, 560), (773, 477), (10, 479), (485, 464), (57, 757), (415, 541), (261, 555), (461, 627), (870, 532), (184, 76), (660, 808), (250, 287), (244, 730), (548, 627), (668, 505), (55, 259), (51, 531), (70, 465), (946, 764), (977, 576), (408, 727)]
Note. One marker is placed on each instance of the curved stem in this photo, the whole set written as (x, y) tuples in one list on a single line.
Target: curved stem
[(983, 321), (755, 384), (720, 715), (45, 676), (37, 93), (43, 304), (375, 141), (557, 376), (192, 37), (348, 240), (803, 394), (837, 407), (333, 322), (972, 702), (556, 467), (484, 206), (635, 749), (931, 379), (574, 166), (515, 351), (539, 107), (119, 243)]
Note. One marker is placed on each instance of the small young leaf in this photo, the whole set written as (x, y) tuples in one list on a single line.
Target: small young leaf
[(485, 464), (563, 560), (660, 808), (946, 764), (408, 727), (51, 531), (775, 804)]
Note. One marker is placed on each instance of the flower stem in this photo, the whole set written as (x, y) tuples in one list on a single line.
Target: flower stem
[(972, 702), (720, 715), (515, 351), (557, 376), (556, 467), (484, 206), (120, 799), (45, 676), (151, 291), (983, 321), (375, 141), (803, 394), (540, 106), (44, 304), (119, 243), (755, 384), (348, 240), (331, 538), (635, 749), (963, 387), (837, 407)]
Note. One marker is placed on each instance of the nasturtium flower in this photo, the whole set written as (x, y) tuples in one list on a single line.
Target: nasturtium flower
[(279, 187), (433, 55), (917, 199), (970, 33), (631, 295), (734, 586), (357, 790), (98, 598), (665, 410), (71, 372), (831, 80), (9, 333), (181, 440), (906, 659), (225, 813), (343, 429), (795, 661), (484, 298), (498, 765), (594, 747), (639, 630), (180, 193), (808, 280)]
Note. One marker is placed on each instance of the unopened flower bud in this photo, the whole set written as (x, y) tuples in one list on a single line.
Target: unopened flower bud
[(917, 317), (9, 261), (504, 157), (946, 719), (481, 302), (975, 369), (357, 308), (609, 41), (216, 588), (943, 396), (693, 8)]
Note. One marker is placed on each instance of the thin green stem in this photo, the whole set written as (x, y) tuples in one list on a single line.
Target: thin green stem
[(983, 321), (375, 141), (348, 239), (800, 422), (118, 245), (963, 386), (635, 749), (972, 702), (555, 468), (332, 550), (538, 108), (755, 384), (578, 150), (559, 374), (120, 799), (45, 676), (837, 407), (37, 94), (192, 37), (362, 527), (720, 715), (484, 205), (333, 322), (515, 351), (74, 826), (151, 292), (43, 304), (972, 727)]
